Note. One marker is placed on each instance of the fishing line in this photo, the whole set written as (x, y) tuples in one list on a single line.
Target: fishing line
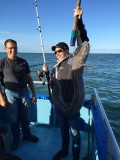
[(34, 65), (39, 28)]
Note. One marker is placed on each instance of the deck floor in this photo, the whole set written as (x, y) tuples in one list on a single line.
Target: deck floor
[(49, 143)]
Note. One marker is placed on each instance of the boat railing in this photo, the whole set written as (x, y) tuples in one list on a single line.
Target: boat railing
[(113, 148), (39, 82)]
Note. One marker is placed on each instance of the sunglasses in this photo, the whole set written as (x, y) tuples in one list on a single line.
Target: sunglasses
[(10, 48), (58, 51)]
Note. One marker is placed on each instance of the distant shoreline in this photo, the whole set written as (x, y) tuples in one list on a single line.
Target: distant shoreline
[(51, 53)]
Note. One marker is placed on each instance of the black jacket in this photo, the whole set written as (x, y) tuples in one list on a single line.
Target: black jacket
[(68, 87)]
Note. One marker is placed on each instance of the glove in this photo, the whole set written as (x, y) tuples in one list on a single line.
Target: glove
[(45, 68)]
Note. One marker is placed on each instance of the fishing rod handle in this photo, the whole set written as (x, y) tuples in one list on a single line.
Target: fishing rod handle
[(74, 27), (78, 3)]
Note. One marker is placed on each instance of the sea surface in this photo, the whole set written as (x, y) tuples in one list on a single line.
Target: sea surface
[(102, 72)]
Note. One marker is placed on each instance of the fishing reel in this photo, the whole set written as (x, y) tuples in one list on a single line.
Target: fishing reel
[(41, 75)]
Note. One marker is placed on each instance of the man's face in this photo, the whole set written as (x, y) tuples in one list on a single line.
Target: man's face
[(60, 53), (11, 50)]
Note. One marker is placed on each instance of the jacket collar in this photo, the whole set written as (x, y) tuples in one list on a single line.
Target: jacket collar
[(67, 56)]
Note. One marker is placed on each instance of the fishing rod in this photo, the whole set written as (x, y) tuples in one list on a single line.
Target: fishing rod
[(39, 28), (74, 27), (72, 43), (39, 73)]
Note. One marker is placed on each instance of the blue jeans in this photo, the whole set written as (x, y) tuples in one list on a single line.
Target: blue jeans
[(66, 123), (18, 105)]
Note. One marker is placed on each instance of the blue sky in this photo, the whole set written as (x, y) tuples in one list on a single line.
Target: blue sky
[(18, 21)]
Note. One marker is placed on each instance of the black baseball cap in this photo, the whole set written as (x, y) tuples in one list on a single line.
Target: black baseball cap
[(62, 45)]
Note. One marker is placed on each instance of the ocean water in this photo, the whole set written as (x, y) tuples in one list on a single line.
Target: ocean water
[(102, 73)]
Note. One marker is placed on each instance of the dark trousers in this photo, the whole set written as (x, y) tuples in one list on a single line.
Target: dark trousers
[(70, 122)]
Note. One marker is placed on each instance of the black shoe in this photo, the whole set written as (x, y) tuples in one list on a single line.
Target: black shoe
[(60, 154), (31, 138), (15, 143)]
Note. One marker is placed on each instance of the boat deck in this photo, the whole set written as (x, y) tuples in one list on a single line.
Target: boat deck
[(49, 137), (97, 137), (49, 143)]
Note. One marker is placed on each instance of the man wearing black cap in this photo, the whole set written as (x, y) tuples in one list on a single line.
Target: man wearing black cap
[(68, 89)]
